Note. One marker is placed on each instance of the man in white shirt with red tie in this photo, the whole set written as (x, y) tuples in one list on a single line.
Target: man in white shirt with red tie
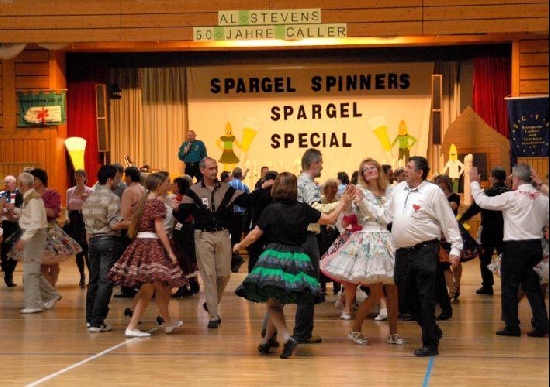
[(525, 213), (420, 213)]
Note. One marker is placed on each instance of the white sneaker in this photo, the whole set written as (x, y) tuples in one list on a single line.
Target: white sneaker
[(345, 316), (101, 328), (136, 333), (174, 325), (382, 316), (31, 310), (395, 339), (51, 303)]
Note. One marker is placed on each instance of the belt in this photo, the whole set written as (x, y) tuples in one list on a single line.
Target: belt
[(418, 245), (210, 229), (147, 235), (101, 236)]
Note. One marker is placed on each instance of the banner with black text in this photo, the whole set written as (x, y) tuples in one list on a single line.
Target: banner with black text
[(254, 116)]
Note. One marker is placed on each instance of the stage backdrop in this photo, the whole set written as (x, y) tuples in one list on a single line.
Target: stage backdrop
[(268, 116)]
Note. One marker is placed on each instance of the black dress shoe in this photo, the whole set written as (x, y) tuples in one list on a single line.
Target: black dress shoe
[(426, 351), (128, 312), (509, 332), (273, 342), (288, 348), (212, 324), (264, 348), (483, 290), (537, 333)]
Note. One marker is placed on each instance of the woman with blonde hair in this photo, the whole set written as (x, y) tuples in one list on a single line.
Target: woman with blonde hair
[(367, 257), (149, 262)]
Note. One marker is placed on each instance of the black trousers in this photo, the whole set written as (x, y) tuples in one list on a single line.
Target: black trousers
[(489, 247), (8, 240), (441, 292), (518, 260), (303, 323), (415, 277), (193, 170)]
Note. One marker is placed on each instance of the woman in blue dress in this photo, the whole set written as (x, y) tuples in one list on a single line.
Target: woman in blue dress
[(284, 273)]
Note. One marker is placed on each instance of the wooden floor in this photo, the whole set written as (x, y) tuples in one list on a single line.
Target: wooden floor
[(55, 349)]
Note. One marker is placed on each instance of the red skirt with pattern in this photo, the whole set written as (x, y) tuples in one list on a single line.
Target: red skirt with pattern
[(145, 261)]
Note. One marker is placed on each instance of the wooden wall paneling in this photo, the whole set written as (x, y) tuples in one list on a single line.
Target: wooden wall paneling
[(534, 59), (536, 45), (59, 22), (485, 26), (528, 87), (59, 172), (30, 55), (540, 164), (170, 20), (446, 3), (533, 72), (1, 98), (488, 12), (343, 4), (8, 97)]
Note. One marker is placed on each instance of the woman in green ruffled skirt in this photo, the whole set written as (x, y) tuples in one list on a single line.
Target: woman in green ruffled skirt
[(284, 273)]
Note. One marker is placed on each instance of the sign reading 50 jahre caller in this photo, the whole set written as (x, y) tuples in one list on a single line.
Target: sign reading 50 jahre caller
[(254, 116), (293, 24)]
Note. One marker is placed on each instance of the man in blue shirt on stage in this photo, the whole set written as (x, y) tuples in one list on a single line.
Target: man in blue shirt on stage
[(191, 152)]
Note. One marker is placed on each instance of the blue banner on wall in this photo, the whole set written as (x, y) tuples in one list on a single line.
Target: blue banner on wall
[(41, 109), (529, 126)]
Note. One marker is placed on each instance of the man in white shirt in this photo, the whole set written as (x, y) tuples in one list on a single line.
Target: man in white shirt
[(525, 213), (420, 213), (38, 293)]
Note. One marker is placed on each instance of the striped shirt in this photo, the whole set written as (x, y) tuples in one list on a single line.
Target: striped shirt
[(239, 186)]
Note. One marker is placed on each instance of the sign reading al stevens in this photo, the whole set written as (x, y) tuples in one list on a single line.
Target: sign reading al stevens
[(292, 24)]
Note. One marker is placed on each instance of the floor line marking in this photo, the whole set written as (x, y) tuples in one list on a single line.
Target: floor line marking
[(428, 372), (87, 360)]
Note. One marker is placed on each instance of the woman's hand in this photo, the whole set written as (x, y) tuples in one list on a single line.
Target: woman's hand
[(237, 247), (172, 257)]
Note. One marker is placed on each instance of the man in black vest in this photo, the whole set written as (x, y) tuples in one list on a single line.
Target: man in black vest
[(10, 198), (492, 230)]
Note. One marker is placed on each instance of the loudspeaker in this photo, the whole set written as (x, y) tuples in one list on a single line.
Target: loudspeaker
[(102, 123), (437, 100)]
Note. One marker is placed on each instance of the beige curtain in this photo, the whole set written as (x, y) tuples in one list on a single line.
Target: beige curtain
[(164, 117), (149, 122)]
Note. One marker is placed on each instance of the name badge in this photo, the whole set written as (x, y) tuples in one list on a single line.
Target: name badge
[(205, 201)]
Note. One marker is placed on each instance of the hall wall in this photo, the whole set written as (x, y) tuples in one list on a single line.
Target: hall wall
[(142, 23)]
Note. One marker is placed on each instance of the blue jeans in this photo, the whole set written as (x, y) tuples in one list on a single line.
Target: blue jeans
[(103, 255)]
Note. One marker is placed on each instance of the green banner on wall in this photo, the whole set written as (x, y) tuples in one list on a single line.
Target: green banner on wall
[(42, 108)]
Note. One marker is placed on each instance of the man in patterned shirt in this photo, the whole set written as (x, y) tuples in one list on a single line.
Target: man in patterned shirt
[(103, 221), (309, 192)]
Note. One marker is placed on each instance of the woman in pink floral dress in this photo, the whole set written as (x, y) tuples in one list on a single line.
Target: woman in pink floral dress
[(149, 262)]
